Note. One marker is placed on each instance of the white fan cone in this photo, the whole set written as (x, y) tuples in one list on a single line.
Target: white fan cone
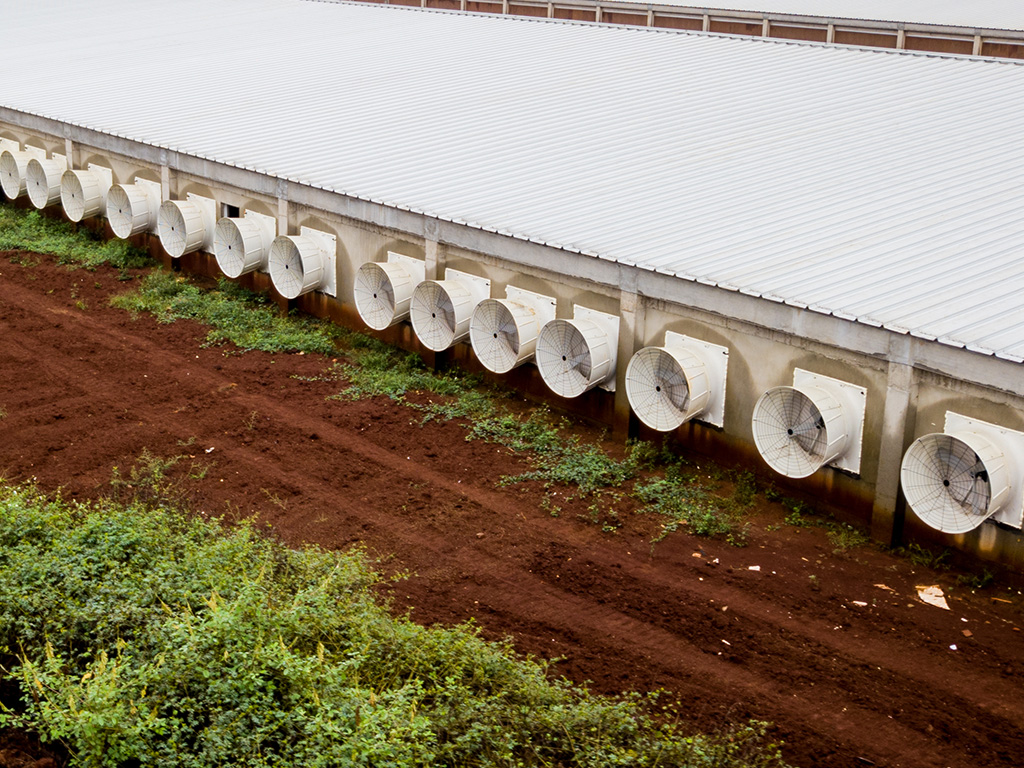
[(503, 333), (131, 210), (81, 194), (181, 227), (240, 245), (666, 387), (799, 431), (42, 180), (440, 311), (296, 265), (383, 293), (954, 482), (573, 356), (13, 166)]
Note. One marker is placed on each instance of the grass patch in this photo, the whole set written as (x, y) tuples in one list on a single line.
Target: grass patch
[(248, 320), (22, 230), (135, 635)]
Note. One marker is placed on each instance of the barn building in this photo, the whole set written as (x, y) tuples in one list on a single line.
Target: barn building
[(805, 255)]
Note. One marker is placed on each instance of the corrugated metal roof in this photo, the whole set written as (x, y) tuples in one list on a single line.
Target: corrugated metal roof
[(876, 186), (978, 14)]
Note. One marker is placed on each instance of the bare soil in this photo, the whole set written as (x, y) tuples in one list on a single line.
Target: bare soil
[(851, 667)]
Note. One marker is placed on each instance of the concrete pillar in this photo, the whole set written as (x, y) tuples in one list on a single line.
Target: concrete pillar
[(632, 332), (897, 431), (434, 249), (168, 182), (282, 207)]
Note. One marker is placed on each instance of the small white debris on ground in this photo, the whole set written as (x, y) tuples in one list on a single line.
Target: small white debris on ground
[(933, 596)]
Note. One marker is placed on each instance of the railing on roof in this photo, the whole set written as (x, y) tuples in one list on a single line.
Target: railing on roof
[(880, 34)]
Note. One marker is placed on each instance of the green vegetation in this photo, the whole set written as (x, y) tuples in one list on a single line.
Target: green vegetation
[(247, 320), (71, 244), (842, 536), (925, 557), (139, 635), (690, 506)]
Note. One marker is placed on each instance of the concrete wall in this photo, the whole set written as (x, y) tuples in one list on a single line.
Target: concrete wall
[(910, 382)]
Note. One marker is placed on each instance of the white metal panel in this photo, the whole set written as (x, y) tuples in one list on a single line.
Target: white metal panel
[(876, 186)]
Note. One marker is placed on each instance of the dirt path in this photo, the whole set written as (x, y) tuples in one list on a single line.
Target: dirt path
[(851, 673)]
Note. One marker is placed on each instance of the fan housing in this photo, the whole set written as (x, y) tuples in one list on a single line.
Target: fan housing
[(504, 332), (242, 245), (383, 290), (42, 179), (303, 263), (818, 421), (84, 193), (682, 380), (441, 310), (134, 208), (13, 165), (186, 226), (957, 479), (576, 355)]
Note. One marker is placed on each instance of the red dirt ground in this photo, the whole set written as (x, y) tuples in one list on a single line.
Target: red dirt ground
[(850, 666)]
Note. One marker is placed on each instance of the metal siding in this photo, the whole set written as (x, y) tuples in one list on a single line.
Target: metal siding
[(875, 186)]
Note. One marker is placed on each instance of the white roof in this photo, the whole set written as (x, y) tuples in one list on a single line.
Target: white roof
[(876, 186), (971, 14)]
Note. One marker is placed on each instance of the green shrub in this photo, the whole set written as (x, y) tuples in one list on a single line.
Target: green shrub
[(141, 636)]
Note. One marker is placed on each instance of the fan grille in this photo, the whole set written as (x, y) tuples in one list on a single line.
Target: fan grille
[(946, 483), (38, 183), (286, 268), (229, 248), (12, 175), (790, 432), (173, 233), (494, 334), (120, 212), (657, 389), (375, 296), (564, 358), (433, 316), (72, 196)]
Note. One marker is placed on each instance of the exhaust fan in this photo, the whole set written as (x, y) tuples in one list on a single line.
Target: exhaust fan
[(42, 179), (441, 309), (579, 354), (957, 479), (13, 167), (186, 226), (817, 421), (504, 332), (685, 379), (134, 208), (84, 193), (383, 290), (242, 245), (303, 263)]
